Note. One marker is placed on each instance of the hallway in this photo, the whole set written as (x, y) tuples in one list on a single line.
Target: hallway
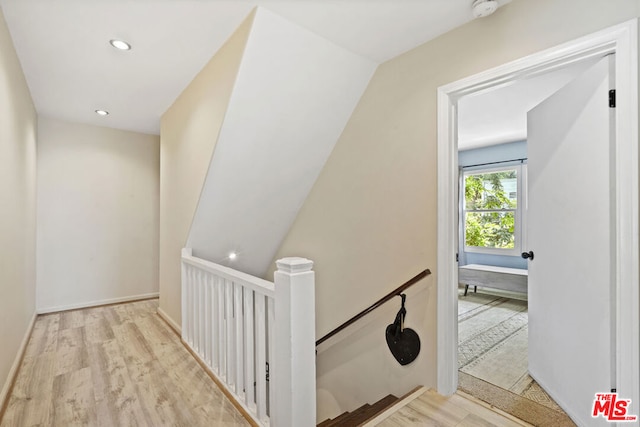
[(116, 365)]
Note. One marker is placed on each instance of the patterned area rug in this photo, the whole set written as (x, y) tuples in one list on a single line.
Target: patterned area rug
[(492, 347)]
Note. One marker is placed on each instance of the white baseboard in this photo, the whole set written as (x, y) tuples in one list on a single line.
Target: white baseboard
[(170, 321), (13, 372), (97, 303)]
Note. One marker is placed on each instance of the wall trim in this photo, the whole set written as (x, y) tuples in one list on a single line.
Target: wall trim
[(98, 303), (622, 40), (5, 394), (169, 321)]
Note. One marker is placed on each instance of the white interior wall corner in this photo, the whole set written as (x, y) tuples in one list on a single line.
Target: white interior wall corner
[(294, 94)]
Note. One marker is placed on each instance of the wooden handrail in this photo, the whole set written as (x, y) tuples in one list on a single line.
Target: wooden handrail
[(375, 305)]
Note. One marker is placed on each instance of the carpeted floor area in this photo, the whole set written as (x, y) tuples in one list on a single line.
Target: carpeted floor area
[(492, 354)]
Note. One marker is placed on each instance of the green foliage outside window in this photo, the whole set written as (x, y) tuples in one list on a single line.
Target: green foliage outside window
[(490, 209)]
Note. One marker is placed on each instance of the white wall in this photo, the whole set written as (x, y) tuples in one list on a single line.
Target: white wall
[(17, 208), (293, 95), (98, 214)]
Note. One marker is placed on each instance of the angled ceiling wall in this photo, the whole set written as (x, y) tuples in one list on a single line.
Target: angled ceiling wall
[(189, 130), (292, 98)]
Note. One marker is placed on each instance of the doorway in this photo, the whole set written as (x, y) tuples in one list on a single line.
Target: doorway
[(622, 41), (493, 319)]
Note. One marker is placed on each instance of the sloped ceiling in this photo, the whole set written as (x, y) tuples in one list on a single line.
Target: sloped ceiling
[(72, 70)]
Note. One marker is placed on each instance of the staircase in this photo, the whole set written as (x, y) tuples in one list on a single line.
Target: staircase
[(361, 415), (427, 407)]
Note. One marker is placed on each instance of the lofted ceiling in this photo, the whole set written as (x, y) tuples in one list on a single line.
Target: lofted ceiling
[(72, 70)]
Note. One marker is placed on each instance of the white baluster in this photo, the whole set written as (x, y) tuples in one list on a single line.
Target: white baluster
[(197, 325), (193, 318), (195, 308), (215, 321), (185, 302), (249, 360), (238, 341), (186, 312), (222, 340), (271, 314), (212, 321), (229, 331), (261, 360), (190, 273), (185, 294), (201, 322), (207, 319)]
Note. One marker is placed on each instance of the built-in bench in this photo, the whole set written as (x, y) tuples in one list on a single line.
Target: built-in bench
[(490, 276)]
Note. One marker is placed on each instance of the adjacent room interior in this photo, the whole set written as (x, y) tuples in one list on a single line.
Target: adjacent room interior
[(493, 295)]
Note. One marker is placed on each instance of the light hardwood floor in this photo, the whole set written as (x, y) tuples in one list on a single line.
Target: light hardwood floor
[(117, 365), (458, 410)]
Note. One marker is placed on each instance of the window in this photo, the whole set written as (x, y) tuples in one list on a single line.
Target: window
[(493, 210)]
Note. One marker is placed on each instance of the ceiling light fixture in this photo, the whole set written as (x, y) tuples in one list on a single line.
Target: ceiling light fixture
[(102, 112), (482, 8), (233, 256), (120, 44)]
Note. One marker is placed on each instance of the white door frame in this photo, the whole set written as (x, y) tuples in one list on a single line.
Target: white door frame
[(623, 41)]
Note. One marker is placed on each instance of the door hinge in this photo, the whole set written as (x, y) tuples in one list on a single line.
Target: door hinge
[(612, 98), (457, 258)]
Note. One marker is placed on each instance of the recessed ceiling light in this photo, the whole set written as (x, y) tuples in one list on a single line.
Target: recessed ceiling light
[(120, 44), (102, 112), (233, 255)]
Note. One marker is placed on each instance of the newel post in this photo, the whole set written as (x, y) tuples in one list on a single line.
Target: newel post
[(294, 367)]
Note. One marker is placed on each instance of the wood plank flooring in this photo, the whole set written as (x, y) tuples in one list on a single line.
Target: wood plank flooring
[(432, 409), (118, 365)]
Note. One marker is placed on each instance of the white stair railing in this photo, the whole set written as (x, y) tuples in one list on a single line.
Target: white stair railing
[(256, 337)]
